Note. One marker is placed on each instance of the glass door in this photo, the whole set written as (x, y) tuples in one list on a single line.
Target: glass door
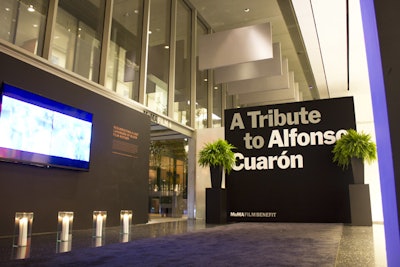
[(168, 178)]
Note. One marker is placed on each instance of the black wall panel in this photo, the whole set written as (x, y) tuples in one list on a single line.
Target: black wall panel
[(288, 178)]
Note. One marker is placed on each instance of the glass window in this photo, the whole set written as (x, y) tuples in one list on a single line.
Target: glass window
[(158, 56), (201, 88), (125, 46), (182, 64), (23, 23), (229, 101), (168, 177), (217, 109), (76, 43)]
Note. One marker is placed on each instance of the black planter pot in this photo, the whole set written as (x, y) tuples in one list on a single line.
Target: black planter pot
[(216, 176), (357, 166)]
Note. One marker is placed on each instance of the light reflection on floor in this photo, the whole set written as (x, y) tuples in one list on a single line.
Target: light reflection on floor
[(362, 246), (359, 246), (45, 243)]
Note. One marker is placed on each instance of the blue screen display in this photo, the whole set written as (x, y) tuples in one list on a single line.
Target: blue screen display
[(41, 131)]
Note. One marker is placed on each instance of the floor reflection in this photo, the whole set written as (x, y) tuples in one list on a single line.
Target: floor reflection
[(359, 246), (47, 243), (64, 246), (125, 238), (20, 252), (362, 244)]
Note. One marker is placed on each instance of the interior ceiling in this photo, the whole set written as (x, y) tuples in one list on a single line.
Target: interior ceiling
[(312, 36)]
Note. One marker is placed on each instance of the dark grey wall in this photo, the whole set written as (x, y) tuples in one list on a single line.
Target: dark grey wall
[(387, 18), (380, 23), (115, 181)]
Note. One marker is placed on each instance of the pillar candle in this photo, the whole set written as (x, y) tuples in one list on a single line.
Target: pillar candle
[(126, 224), (99, 225), (23, 232), (65, 228)]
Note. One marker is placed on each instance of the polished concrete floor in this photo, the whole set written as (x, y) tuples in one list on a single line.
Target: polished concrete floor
[(362, 246), (359, 246)]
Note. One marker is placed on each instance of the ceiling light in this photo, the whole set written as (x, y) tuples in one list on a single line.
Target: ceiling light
[(7, 9), (30, 8), (35, 25), (166, 47), (136, 11), (150, 32), (215, 87), (246, 10)]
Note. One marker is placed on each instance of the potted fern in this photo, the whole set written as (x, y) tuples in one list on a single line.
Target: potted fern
[(354, 148), (218, 156)]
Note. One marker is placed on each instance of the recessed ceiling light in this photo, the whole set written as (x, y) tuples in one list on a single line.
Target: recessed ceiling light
[(166, 46), (215, 87), (7, 9), (30, 8), (136, 11), (246, 10)]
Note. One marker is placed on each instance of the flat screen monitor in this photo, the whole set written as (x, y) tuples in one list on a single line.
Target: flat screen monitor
[(39, 131)]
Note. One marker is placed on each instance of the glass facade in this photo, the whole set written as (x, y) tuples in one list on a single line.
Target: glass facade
[(125, 47), (182, 64), (76, 44), (168, 177), (217, 106), (78, 35), (158, 56), (23, 23), (201, 87), (229, 101)]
